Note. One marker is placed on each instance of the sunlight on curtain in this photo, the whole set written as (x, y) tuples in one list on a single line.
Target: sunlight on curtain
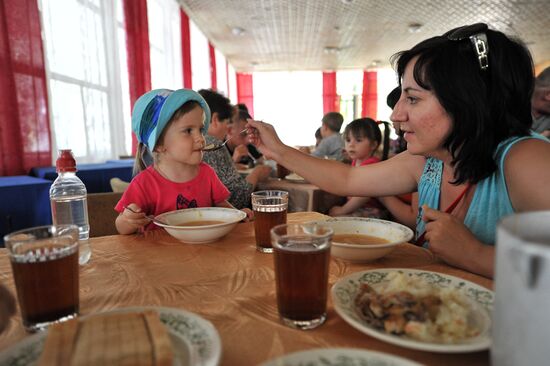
[(221, 73), (165, 44), (292, 102), (83, 71), (232, 84), (200, 58)]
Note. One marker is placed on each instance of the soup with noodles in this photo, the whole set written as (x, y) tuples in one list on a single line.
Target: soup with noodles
[(201, 223), (358, 239)]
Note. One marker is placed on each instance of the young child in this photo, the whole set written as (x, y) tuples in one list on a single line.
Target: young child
[(362, 138), (331, 144), (170, 126)]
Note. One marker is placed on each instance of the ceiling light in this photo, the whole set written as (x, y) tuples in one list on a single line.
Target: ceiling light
[(415, 27), (331, 50), (346, 1), (238, 31)]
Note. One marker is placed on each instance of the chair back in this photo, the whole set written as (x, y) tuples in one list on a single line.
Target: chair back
[(102, 214)]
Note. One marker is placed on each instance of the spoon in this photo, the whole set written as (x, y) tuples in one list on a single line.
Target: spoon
[(150, 217), (212, 147)]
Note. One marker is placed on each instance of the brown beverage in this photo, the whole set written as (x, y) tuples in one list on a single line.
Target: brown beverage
[(270, 209), (301, 275), (47, 290), (265, 221)]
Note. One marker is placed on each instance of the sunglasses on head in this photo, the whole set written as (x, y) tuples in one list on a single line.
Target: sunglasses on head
[(478, 38)]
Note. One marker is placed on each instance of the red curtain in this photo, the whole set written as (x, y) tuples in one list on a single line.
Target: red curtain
[(370, 95), (245, 91), (186, 50), (24, 121), (331, 100), (213, 75), (137, 44)]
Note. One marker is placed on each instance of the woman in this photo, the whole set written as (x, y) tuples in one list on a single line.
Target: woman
[(465, 111)]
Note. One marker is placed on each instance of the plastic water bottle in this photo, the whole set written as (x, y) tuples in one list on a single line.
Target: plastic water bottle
[(68, 201)]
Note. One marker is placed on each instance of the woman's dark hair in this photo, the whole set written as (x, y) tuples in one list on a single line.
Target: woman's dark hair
[(217, 103), (369, 128), (144, 157), (486, 106)]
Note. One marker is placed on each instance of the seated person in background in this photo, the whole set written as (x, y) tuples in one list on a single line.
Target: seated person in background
[(332, 144), (540, 103), (239, 187), (362, 138), (466, 115), (170, 124), (318, 137), (243, 153)]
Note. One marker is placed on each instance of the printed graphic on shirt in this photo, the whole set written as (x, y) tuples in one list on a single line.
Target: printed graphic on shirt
[(182, 202)]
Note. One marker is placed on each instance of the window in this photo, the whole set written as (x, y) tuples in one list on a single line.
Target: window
[(165, 44), (200, 58), (292, 102), (84, 65), (221, 73), (350, 89)]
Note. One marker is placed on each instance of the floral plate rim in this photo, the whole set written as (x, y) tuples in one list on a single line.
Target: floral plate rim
[(343, 293), (198, 333), (339, 357)]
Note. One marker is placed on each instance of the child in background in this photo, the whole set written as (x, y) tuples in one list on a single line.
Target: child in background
[(362, 138), (331, 145), (169, 126)]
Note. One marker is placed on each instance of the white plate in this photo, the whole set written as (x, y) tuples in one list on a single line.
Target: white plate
[(339, 356), (195, 341), (345, 291)]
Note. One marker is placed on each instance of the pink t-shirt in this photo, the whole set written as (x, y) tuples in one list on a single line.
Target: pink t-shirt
[(156, 194), (371, 160)]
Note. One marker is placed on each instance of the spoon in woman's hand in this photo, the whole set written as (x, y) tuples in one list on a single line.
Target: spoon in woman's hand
[(150, 217), (213, 147)]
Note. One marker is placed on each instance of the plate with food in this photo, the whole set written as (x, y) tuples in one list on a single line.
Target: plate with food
[(417, 309), (164, 335), (339, 356)]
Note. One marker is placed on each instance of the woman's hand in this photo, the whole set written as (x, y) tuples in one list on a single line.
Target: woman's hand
[(337, 211), (264, 137), (451, 240)]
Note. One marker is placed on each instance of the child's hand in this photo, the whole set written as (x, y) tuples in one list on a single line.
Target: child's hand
[(249, 214), (133, 220)]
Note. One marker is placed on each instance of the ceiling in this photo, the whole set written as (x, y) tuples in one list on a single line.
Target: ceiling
[(360, 34)]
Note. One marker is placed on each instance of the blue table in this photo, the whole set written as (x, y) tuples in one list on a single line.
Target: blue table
[(96, 177), (25, 202)]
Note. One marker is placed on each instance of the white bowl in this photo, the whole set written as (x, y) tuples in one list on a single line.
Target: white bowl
[(200, 234), (393, 232)]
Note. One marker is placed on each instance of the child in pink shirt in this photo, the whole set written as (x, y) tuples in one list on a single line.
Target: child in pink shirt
[(362, 137), (170, 126)]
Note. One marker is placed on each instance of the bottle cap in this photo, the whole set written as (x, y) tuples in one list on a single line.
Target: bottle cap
[(65, 162)]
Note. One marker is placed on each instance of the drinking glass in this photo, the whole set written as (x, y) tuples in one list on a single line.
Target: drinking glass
[(302, 256), (270, 208), (44, 262)]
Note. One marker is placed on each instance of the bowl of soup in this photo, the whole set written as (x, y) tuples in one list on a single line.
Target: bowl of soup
[(200, 225), (360, 239)]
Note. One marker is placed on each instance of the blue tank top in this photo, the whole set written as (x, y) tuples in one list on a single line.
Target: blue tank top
[(489, 203)]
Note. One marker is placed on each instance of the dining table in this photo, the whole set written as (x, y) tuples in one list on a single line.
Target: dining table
[(230, 284)]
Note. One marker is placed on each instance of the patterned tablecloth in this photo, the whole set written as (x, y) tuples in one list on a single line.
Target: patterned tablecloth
[(232, 285)]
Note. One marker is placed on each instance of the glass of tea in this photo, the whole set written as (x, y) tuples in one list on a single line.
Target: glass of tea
[(302, 256), (44, 261), (270, 209)]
